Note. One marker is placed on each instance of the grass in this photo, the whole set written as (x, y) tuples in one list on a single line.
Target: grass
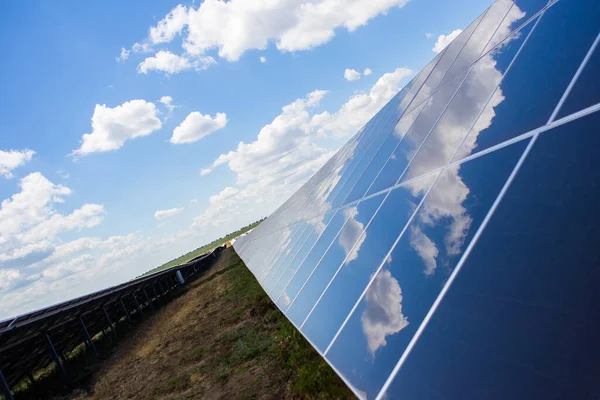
[(203, 249)]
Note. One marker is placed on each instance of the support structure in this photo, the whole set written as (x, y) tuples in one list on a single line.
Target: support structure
[(137, 303), (148, 300), (125, 311), (5, 389), (56, 358), (88, 338), (112, 326)]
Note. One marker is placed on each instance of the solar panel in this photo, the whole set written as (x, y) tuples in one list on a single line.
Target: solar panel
[(448, 249)]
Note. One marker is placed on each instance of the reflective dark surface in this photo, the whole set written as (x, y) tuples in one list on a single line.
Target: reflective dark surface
[(586, 91), (522, 318), (545, 68)]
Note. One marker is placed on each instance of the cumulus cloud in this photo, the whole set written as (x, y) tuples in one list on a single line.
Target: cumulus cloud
[(112, 127), (351, 74), (383, 313), (169, 63), (287, 151), (444, 40), (234, 27), (162, 214), (429, 35), (196, 126), (29, 223), (167, 101), (11, 159), (367, 72), (263, 60)]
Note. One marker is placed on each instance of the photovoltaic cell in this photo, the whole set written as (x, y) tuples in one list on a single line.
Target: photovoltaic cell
[(447, 250)]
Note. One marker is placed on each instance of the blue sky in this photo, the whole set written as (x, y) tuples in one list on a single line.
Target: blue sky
[(166, 92)]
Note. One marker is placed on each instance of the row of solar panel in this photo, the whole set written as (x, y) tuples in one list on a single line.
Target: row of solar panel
[(360, 256), (30, 342)]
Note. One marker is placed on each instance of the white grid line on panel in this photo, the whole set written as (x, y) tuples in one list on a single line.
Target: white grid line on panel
[(575, 77)]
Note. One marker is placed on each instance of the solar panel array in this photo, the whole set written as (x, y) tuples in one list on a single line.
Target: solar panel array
[(32, 341), (450, 248)]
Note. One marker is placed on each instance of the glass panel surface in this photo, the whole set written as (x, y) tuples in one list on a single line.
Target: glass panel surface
[(357, 218), (479, 39), (525, 99), (522, 318), (368, 253), (446, 61), (313, 256), (319, 227), (472, 96), (403, 291), (586, 91), (520, 12), (417, 133)]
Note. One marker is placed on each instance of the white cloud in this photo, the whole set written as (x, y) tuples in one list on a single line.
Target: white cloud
[(29, 224), (429, 35), (196, 126), (169, 63), (11, 159), (170, 26), (361, 107), (167, 101), (124, 54), (444, 40), (263, 60), (287, 152), (111, 127), (383, 313), (351, 74), (367, 72), (236, 26), (193, 201), (162, 214)]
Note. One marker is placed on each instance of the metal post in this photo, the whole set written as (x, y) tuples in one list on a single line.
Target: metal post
[(56, 358), (125, 310), (5, 388), (88, 337), (148, 300), (137, 304), (112, 326)]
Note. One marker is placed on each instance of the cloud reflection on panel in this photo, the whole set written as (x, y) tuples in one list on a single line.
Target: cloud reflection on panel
[(350, 238), (465, 108), (383, 314), (419, 266)]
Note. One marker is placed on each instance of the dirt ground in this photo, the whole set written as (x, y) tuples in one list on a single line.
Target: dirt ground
[(222, 339)]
